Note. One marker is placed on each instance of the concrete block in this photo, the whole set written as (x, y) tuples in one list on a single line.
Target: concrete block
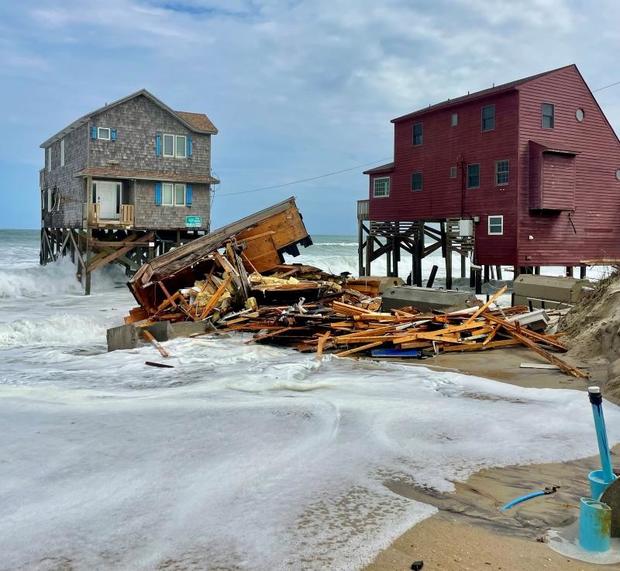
[(561, 290), (425, 299), (122, 337), (187, 328)]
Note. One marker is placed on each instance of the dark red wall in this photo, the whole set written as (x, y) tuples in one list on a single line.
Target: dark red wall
[(531, 237), (445, 146), (596, 232)]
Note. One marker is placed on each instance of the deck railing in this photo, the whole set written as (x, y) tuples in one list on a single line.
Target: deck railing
[(362, 209), (125, 217)]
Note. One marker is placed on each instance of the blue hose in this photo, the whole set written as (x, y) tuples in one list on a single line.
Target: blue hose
[(512, 503)]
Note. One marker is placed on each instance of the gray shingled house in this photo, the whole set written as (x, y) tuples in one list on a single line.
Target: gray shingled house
[(124, 183)]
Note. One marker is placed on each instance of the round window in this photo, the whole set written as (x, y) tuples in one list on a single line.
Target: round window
[(580, 114), (618, 174)]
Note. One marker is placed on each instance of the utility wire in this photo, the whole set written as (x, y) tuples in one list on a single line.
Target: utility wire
[(606, 86), (301, 180)]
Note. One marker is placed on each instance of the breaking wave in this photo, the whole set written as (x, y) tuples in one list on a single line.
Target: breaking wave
[(61, 329), (36, 281)]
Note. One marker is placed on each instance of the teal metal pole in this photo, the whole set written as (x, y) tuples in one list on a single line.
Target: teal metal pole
[(596, 400)]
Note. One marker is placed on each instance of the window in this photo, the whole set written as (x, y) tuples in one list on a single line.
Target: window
[(179, 195), (381, 187), (548, 115), (168, 145), (416, 181), (48, 158), (173, 194), (473, 176), (496, 225), (175, 146), (453, 172), (488, 117), (62, 152), (418, 133), (502, 172), (454, 121), (103, 133), (181, 146)]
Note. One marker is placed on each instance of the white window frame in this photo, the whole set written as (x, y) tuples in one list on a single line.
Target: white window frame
[(501, 221), (497, 173), (175, 142), (173, 187), (453, 171), (62, 152), (374, 187), (184, 194), (454, 120), (100, 136)]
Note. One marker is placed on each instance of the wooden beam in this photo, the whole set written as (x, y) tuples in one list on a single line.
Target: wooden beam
[(99, 262), (359, 349), (492, 299)]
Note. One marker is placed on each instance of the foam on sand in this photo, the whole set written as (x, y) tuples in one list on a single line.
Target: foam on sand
[(252, 456)]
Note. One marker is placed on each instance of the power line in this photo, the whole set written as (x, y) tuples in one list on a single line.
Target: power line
[(606, 86), (301, 180)]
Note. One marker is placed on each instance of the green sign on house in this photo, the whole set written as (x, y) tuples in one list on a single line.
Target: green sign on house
[(193, 221)]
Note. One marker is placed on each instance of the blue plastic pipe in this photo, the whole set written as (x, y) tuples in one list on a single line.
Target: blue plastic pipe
[(531, 496), (594, 525), (596, 400)]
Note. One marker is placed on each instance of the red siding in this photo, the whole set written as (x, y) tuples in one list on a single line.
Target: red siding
[(558, 182), (592, 229), (443, 197)]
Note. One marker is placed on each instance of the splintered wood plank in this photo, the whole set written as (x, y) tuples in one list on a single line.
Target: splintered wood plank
[(563, 365), (149, 337), (210, 306), (539, 337), (492, 299), (479, 346), (491, 335), (278, 331), (359, 349), (321, 345), (444, 331)]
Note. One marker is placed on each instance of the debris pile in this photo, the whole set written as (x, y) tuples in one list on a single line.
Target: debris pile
[(235, 279)]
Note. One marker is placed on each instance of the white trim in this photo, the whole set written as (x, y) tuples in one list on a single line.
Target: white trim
[(495, 216), (374, 187), (62, 152), (173, 187), (175, 143), (100, 136)]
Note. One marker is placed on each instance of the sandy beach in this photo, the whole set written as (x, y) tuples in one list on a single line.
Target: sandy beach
[(469, 532)]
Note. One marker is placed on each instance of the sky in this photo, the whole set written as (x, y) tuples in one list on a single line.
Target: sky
[(297, 88)]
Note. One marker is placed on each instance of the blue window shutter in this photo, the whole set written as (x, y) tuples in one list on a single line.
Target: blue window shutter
[(188, 194), (189, 145), (113, 134), (158, 145), (158, 193), (93, 132)]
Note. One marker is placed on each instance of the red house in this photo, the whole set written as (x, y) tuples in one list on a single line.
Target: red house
[(533, 164)]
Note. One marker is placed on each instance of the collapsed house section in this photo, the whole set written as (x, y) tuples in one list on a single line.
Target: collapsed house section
[(235, 279), (223, 268)]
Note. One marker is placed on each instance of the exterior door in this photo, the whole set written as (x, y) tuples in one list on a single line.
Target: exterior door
[(107, 196)]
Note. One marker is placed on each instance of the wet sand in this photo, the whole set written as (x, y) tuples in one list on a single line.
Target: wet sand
[(469, 532)]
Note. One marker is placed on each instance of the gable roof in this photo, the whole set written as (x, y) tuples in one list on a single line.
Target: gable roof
[(389, 167), (503, 88), (197, 122)]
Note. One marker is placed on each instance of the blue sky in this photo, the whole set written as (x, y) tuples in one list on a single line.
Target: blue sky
[(297, 88)]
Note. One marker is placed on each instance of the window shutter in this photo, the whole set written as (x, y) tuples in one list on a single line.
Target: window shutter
[(188, 194), (189, 145), (113, 134), (93, 132), (158, 145), (158, 193)]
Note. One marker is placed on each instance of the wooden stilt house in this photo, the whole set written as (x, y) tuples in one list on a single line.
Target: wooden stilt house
[(125, 183)]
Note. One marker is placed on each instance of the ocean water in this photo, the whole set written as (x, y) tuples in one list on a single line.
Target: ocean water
[(241, 456)]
